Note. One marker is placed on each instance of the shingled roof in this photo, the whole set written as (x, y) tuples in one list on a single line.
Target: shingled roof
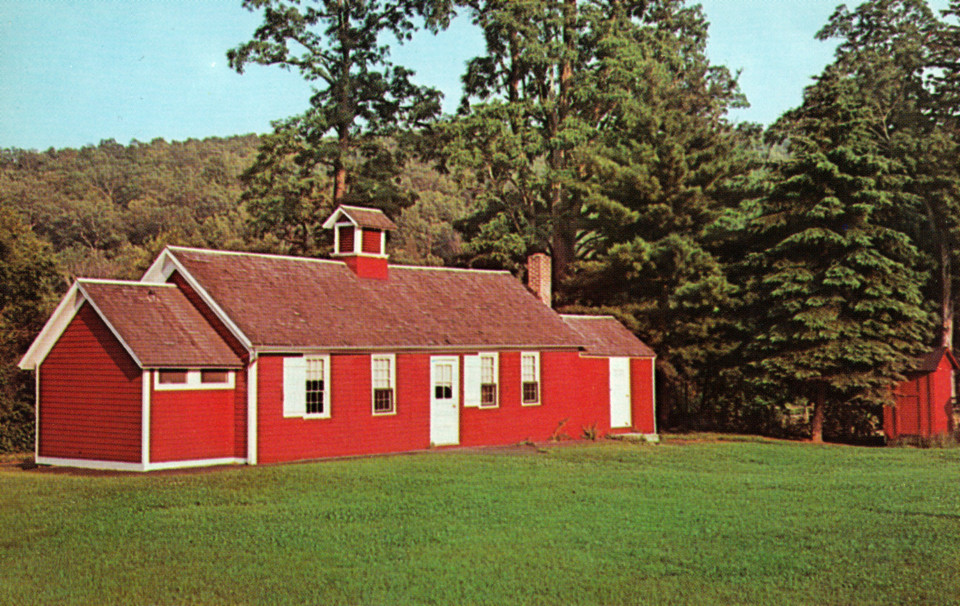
[(606, 336), (159, 324), (291, 302), (371, 218)]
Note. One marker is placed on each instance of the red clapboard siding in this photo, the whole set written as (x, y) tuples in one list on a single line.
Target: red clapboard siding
[(191, 424), (240, 393), (923, 404), (574, 395), (641, 394), (371, 241), (240, 414), (352, 428), (90, 395)]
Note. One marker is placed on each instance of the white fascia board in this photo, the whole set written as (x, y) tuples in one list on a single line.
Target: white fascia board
[(334, 218), (174, 264), (56, 324), (113, 330)]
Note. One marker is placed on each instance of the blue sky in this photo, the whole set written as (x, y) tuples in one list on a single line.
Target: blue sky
[(73, 72)]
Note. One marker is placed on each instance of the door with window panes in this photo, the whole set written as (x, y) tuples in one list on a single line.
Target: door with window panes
[(444, 400)]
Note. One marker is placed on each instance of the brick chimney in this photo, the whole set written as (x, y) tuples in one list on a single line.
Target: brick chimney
[(360, 239), (539, 278)]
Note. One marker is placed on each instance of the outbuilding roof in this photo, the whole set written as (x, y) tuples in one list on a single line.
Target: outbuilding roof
[(606, 336), (282, 302), (159, 325), (931, 361)]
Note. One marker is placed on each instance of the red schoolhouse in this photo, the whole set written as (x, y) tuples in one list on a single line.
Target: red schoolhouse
[(218, 357)]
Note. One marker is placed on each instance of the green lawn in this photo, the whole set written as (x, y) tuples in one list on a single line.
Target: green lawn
[(751, 522)]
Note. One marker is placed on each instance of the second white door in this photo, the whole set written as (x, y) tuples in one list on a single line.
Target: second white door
[(444, 400)]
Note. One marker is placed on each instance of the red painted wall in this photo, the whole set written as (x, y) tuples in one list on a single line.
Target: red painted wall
[(575, 391), (191, 424), (371, 242), (352, 428), (240, 393), (90, 395), (574, 394), (641, 392), (923, 405)]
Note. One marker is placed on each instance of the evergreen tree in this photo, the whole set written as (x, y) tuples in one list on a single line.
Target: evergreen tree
[(837, 279)]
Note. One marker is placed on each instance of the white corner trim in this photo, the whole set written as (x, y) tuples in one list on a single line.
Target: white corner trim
[(145, 419), (56, 324), (252, 412), (36, 415)]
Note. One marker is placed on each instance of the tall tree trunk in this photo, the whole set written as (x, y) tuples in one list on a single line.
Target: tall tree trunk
[(339, 181), (946, 298), (816, 425)]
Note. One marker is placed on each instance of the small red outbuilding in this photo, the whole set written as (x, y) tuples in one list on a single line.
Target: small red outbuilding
[(218, 357), (925, 402)]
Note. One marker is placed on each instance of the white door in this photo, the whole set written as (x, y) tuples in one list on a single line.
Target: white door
[(620, 392), (444, 401)]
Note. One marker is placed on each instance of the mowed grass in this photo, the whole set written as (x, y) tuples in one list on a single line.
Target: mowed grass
[(751, 522)]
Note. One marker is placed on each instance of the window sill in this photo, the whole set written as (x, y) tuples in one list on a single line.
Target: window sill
[(530, 403)]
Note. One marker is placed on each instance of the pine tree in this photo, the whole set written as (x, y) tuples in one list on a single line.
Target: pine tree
[(838, 280)]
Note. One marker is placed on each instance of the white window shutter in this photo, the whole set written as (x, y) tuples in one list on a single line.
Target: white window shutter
[(294, 387), (471, 381)]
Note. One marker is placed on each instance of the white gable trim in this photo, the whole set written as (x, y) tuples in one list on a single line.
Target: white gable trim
[(333, 219), (163, 268), (58, 323), (113, 330)]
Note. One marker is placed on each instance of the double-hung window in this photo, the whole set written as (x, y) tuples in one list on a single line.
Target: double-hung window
[(306, 387), (481, 380), (384, 382), (530, 378), (488, 380)]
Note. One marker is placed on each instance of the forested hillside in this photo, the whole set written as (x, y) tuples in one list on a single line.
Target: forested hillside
[(787, 277)]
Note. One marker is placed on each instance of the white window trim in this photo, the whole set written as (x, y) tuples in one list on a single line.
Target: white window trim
[(326, 389), (539, 376), (193, 381), (473, 379), (392, 359)]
